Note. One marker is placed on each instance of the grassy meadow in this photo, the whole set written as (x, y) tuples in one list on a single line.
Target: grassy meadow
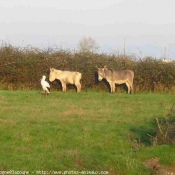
[(86, 131)]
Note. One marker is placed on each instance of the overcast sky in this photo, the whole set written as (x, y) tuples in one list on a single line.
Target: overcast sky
[(147, 26)]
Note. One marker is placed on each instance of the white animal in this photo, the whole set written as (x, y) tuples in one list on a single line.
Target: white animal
[(45, 85), (66, 77)]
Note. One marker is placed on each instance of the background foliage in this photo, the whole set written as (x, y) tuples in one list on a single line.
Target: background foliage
[(22, 68)]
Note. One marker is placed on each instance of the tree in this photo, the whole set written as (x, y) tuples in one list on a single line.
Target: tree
[(87, 44)]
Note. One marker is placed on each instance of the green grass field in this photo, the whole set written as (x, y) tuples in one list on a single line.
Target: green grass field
[(81, 132)]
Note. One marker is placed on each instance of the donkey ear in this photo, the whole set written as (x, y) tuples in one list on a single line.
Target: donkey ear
[(105, 66)]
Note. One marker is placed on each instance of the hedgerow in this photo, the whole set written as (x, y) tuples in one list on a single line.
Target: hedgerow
[(22, 68)]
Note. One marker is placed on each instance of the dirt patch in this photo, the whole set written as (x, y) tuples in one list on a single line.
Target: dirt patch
[(157, 168)]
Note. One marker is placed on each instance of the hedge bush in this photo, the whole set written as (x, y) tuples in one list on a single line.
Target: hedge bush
[(22, 68)]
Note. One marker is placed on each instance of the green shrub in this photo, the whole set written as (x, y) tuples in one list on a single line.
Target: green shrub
[(23, 67)]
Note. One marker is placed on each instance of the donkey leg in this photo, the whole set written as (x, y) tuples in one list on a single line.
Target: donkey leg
[(129, 87), (63, 87), (132, 88), (78, 87), (112, 86)]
